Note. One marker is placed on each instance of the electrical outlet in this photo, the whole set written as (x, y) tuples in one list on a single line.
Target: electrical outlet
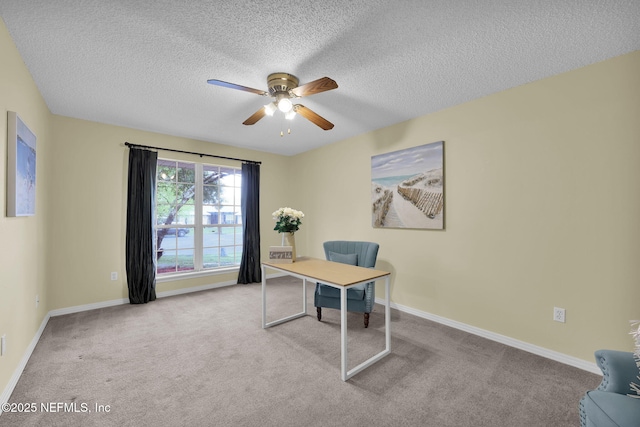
[(37, 301), (558, 314), (3, 345), (114, 275)]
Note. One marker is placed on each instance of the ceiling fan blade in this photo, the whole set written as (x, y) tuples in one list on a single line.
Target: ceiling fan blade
[(238, 87), (255, 117), (321, 85), (313, 117)]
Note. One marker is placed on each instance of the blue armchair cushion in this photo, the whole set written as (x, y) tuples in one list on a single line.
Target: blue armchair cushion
[(351, 259), (355, 293)]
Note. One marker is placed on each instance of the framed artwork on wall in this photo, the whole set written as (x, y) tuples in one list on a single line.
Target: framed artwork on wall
[(407, 188), (21, 167)]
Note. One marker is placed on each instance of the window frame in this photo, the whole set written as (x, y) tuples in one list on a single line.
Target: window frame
[(199, 225)]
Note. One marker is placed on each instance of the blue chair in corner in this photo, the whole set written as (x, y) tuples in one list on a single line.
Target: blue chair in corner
[(360, 298), (612, 404)]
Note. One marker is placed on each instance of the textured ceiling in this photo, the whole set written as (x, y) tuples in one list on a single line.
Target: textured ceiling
[(144, 63)]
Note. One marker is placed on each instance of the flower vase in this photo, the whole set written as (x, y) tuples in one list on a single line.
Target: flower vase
[(289, 239)]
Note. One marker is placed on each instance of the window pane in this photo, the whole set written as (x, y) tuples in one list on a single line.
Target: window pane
[(238, 215), (238, 233), (227, 195), (166, 170), (186, 193), (185, 215), (227, 176), (238, 254), (186, 172), (210, 194), (171, 260), (227, 237), (211, 215), (227, 255), (210, 174), (166, 193), (211, 257), (211, 237), (185, 260), (175, 200), (166, 262), (174, 238), (168, 241), (233, 215), (227, 215)]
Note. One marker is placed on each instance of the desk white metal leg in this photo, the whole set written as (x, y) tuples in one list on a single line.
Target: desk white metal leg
[(284, 319), (264, 298), (343, 333), (387, 315), (304, 296), (343, 330)]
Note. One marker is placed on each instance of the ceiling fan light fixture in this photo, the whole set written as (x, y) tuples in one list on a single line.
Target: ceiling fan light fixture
[(270, 108), (290, 115), (285, 105)]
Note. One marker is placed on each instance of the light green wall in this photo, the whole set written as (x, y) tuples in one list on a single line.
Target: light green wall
[(89, 210), (541, 195), (542, 189), (23, 240)]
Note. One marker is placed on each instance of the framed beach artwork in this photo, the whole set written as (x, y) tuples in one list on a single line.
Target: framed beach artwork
[(407, 188), (21, 167)]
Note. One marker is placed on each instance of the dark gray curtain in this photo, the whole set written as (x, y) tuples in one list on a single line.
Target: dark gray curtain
[(250, 264), (140, 259)]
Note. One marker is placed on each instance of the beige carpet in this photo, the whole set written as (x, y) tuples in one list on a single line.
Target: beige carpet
[(202, 359)]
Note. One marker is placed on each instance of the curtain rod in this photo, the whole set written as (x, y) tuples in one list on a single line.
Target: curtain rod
[(128, 144)]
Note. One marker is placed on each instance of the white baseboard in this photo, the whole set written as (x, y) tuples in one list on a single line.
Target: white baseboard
[(511, 342), (87, 307), (110, 303), (6, 394)]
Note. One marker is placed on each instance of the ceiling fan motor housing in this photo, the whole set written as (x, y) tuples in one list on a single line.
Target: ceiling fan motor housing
[(281, 83)]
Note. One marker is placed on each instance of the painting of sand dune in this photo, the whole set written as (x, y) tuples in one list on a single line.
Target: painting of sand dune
[(407, 188)]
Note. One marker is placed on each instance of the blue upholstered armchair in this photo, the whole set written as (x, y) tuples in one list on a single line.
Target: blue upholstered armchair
[(359, 298), (609, 405)]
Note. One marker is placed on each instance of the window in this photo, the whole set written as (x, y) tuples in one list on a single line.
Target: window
[(198, 217)]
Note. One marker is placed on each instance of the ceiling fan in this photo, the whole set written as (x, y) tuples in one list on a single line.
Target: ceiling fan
[(284, 87)]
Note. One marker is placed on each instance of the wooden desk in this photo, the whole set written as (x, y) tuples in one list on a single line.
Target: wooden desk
[(343, 277)]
